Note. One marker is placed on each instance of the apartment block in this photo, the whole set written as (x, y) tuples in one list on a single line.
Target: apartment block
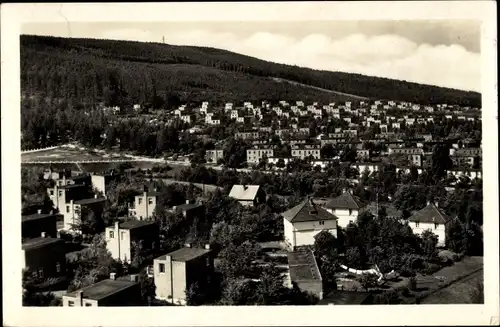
[(303, 151), (35, 224), (255, 154), (144, 205)]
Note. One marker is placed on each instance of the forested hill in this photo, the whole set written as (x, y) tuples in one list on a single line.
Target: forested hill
[(125, 72)]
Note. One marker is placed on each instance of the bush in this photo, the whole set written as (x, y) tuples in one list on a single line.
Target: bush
[(430, 268), (412, 283)]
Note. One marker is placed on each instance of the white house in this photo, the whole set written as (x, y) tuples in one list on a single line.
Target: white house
[(304, 221), (346, 207), (430, 218)]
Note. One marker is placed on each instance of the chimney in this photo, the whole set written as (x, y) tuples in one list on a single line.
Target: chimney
[(436, 203), (117, 225), (207, 246), (112, 276), (428, 202), (43, 235), (187, 201), (39, 211), (187, 245)]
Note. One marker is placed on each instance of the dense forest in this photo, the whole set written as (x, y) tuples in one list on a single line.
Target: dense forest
[(123, 72)]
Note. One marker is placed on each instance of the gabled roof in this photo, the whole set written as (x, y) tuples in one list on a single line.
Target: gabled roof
[(345, 201), (430, 214), (307, 210), (244, 192)]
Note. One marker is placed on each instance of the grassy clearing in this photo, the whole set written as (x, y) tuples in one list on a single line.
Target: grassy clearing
[(461, 292)]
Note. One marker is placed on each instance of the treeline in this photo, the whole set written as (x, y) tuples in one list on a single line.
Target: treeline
[(197, 69)]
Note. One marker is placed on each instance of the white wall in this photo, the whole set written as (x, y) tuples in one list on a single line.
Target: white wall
[(119, 246), (98, 182), (345, 216), (303, 233), (439, 231)]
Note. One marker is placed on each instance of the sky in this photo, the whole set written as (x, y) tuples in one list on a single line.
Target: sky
[(436, 52)]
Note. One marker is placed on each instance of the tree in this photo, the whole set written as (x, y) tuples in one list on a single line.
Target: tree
[(440, 162), (328, 151), (429, 242), (194, 295), (148, 287), (325, 250), (281, 163), (367, 280), (271, 287), (237, 260), (410, 197)]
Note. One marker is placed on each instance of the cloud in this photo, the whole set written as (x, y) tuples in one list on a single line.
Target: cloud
[(387, 55)]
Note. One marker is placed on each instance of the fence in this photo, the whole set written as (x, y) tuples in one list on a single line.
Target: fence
[(40, 149)]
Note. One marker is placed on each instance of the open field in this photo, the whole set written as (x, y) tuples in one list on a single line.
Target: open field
[(461, 292), (66, 153)]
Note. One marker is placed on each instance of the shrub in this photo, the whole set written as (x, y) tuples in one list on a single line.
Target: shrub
[(430, 268), (412, 283)]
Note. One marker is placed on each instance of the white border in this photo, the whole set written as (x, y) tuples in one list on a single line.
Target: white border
[(13, 15)]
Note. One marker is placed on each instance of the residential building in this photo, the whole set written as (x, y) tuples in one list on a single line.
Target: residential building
[(247, 135), (44, 257), (35, 224), (304, 221), (190, 210), (346, 208), (144, 204), (120, 238), (60, 195), (176, 271), (56, 175), (248, 195), (213, 156), (73, 210), (363, 154), (304, 272), (406, 151), (106, 293), (101, 182), (303, 151), (430, 218), (255, 154)]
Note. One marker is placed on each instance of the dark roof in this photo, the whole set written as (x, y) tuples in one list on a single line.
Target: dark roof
[(39, 242), (188, 206), (103, 289), (185, 254), (79, 177), (131, 224), (345, 201), (389, 208), (70, 186), (430, 214), (345, 298), (307, 210), (90, 200), (37, 216), (303, 266)]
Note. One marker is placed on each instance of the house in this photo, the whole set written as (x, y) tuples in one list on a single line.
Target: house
[(304, 272), (214, 156), (248, 195), (255, 154), (430, 218), (363, 154), (101, 182), (44, 257), (121, 237), (73, 210), (303, 151), (190, 210), (176, 271), (60, 195), (56, 175), (106, 293), (304, 221), (35, 224), (144, 204), (346, 207), (247, 135)]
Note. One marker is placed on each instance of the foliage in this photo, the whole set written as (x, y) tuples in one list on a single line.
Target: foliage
[(367, 280)]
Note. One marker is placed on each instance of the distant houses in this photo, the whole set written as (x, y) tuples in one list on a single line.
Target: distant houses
[(248, 195)]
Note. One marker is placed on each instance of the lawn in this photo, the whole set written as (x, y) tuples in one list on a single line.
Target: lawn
[(461, 292), (69, 154)]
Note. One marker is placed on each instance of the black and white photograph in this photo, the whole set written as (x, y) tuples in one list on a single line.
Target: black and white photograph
[(214, 163)]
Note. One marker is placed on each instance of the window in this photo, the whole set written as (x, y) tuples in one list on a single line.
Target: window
[(111, 234), (350, 212), (321, 222), (417, 223), (67, 209), (88, 304), (51, 192), (58, 267), (122, 235), (60, 193), (71, 303), (162, 267), (208, 262), (436, 226), (150, 200), (140, 200), (40, 273)]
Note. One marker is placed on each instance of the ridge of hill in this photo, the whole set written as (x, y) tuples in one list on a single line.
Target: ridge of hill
[(126, 72)]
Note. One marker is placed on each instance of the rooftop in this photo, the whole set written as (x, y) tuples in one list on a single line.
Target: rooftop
[(103, 289), (188, 206), (90, 201), (303, 266), (71, 186), (185, 254), (132, 224), (430, 214), (35, 243), (307, 210), (345, 201), (244, 192), (37, 216)]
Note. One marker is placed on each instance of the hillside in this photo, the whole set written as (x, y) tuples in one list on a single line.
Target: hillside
[(125, 72)]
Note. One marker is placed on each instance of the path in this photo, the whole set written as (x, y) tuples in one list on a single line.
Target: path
[(319, 88)]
